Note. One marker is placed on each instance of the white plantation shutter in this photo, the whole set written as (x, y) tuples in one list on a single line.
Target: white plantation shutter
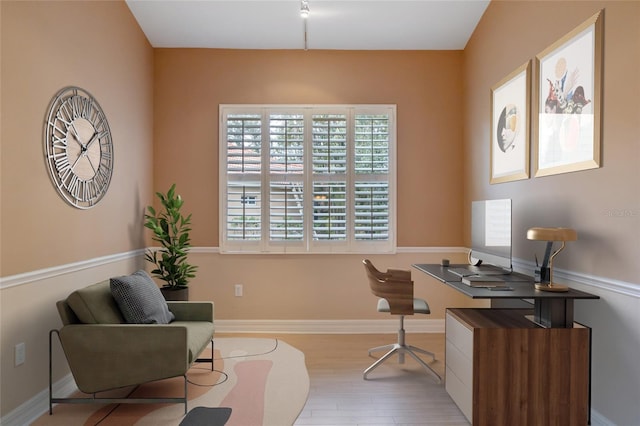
[(244, 211), (371, 198), (286, 211), (286, 148), (286, 177), (243, 215), (372, 144), (244, 143), (329, 211), (329, 175), (305, 178), (329, 141), (371, 211)]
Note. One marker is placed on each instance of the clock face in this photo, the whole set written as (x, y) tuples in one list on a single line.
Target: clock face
[(78, 147)]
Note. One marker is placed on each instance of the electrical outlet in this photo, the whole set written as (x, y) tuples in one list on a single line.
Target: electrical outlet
[(238, 289), (21, 354)]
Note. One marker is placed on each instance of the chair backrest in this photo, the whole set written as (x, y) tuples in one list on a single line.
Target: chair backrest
[(395, 286)]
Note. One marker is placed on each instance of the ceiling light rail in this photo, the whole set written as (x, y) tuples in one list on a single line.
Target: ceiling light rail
[(304, 12)]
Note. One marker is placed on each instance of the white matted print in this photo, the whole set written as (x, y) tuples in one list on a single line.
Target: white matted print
[(510, 126), (567, 115)]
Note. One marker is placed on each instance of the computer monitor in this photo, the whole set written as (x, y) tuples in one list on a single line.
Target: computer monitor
[(491, 233)]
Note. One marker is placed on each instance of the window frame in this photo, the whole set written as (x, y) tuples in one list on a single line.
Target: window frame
[(308, 245)]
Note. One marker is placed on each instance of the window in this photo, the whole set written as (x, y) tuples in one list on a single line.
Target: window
[(307, 179)]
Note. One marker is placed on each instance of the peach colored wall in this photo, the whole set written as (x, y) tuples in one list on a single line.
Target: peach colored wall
[(190, 84), (313, 287), (45, 46), (603, 205)]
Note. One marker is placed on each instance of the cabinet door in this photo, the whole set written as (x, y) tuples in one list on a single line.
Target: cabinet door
[(531, 376), (459, 365)]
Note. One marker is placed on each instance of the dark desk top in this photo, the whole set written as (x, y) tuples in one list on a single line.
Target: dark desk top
[(522, 285)]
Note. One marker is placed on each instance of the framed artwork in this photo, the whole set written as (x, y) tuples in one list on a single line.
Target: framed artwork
[(567, 104), (510, 100)]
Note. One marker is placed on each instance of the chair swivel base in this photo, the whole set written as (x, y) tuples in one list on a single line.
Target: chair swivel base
[(401, 350)]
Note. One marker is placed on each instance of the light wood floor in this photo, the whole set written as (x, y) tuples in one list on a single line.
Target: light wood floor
[(394, 394)]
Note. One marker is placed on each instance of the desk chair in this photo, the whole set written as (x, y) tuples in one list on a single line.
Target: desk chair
[(395, 290)]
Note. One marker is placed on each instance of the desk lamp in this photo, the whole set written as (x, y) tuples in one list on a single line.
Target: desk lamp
[(550, 235)]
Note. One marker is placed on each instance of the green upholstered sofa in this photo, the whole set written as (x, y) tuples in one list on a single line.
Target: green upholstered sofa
[(104, 352)]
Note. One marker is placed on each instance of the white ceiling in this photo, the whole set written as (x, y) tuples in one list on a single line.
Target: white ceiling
[(332, 24)]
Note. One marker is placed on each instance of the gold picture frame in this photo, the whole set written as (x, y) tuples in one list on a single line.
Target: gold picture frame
[(510, 111), (568, 100)]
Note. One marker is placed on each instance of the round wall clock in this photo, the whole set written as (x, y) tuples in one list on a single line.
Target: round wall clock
[(78, 147)]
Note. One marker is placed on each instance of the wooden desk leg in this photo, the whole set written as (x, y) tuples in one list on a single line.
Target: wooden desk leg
[(554, 313)]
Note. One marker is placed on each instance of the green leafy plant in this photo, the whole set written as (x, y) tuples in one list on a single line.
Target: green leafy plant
[(170, 229)]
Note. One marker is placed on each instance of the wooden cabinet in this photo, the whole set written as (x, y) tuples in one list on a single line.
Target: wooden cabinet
[(503, 369)]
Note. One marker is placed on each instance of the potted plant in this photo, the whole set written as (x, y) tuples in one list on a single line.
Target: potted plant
[(171, 229)]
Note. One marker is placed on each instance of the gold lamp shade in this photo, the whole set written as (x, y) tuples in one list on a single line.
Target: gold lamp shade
[(551, 235)]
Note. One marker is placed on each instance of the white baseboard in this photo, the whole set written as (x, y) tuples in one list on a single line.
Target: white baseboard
[(599, 420), (29, 411)]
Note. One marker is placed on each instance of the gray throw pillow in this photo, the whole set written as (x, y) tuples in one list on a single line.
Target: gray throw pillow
[(140, 299)]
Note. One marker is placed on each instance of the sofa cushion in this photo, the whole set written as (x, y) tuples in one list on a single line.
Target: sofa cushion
[(140, 299), (199, 335), (95, 305)]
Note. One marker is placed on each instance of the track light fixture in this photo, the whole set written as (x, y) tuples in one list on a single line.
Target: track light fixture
[(304, 9)]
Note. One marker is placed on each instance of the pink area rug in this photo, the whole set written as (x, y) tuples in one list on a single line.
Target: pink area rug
[(263, 381)]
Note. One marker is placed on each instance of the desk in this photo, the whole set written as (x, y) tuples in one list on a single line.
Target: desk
[(550, 309), (503, 369)]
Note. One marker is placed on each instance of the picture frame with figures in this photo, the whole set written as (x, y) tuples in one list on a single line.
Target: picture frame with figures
[(567, 116)]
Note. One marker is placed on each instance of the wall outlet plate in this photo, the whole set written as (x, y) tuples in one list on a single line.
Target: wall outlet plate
[(20, 354)]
